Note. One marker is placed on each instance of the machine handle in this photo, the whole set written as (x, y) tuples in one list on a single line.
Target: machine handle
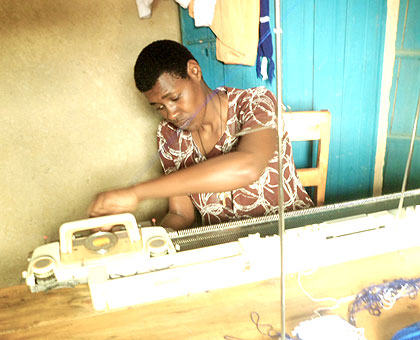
[(68, 229)]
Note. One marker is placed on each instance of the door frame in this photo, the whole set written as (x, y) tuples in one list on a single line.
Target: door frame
[(391, 27)]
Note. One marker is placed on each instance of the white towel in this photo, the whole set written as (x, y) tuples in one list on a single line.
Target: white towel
[(204, 12), (144, 8), (183, 3)]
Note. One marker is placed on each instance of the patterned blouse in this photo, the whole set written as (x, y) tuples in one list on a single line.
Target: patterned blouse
[(247, 109)]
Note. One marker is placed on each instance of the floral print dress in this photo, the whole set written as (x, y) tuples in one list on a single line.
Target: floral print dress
[(247, 109)]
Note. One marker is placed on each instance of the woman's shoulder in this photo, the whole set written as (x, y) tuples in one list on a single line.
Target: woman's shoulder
[(250, 94), (166, 130), (243, 100)]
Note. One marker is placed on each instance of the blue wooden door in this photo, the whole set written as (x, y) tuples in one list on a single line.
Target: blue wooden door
[(403, 101), (332, 59)]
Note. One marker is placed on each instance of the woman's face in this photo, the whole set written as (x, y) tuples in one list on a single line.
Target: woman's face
[(180, 101)]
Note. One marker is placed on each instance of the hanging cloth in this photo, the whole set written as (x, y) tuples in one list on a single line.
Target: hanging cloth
[(265, 64), (235, 24), (183, 3), (144, 7), (203, 12)]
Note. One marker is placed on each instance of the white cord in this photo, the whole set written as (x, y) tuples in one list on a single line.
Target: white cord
[(324, 299)]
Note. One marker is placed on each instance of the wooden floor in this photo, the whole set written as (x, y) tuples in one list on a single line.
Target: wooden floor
[(68, 313)]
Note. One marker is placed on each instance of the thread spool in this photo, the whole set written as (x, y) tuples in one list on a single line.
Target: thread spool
[(157, 246), (43, 268)]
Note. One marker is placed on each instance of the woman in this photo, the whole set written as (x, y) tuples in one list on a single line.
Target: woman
[(217, 148)]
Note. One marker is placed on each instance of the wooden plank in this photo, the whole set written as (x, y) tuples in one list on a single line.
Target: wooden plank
[(309, 175), (312, 126), (68, 314), (350, 278), (386, 85), (304, 125)]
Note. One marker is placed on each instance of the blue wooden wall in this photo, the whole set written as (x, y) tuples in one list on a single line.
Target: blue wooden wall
[(403, 101), (332, 59)]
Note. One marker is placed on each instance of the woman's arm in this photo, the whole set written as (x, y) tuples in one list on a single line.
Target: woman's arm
[(181, 213), (225, 172)]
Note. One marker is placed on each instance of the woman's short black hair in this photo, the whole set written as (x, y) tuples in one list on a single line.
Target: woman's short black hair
[(161, 56)]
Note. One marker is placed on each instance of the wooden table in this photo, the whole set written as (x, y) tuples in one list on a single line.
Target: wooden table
[(68, 313)]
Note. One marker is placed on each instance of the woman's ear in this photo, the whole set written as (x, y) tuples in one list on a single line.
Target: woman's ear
[(193, 69)]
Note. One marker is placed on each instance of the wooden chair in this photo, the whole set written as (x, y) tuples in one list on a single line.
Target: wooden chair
[(311, 126)]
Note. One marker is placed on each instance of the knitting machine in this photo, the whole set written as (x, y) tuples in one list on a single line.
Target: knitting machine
[(136, 264)]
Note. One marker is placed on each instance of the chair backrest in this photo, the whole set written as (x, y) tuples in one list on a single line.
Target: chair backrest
[(311, 126)]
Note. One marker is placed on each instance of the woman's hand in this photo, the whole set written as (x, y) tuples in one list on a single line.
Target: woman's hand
[(114, 202)]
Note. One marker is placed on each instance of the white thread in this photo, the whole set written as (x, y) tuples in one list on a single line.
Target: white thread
[(264, 67), (324, 299), (389, 297), (264, 19)]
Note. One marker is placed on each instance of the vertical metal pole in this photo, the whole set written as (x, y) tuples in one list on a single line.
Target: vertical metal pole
[(280, 127), (410, 156)]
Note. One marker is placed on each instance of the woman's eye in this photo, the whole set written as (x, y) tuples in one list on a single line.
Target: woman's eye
[(159, 108), (175, 98)]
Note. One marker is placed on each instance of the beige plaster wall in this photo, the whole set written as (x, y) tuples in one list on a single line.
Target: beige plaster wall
[(72, 123)]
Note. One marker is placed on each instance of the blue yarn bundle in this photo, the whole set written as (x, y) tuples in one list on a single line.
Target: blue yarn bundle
[(377, 297)]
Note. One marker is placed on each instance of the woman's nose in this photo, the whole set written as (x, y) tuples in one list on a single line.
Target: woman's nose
[(172, 112)]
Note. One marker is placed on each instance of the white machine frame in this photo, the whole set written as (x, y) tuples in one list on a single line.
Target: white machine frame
[(132, 274)]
